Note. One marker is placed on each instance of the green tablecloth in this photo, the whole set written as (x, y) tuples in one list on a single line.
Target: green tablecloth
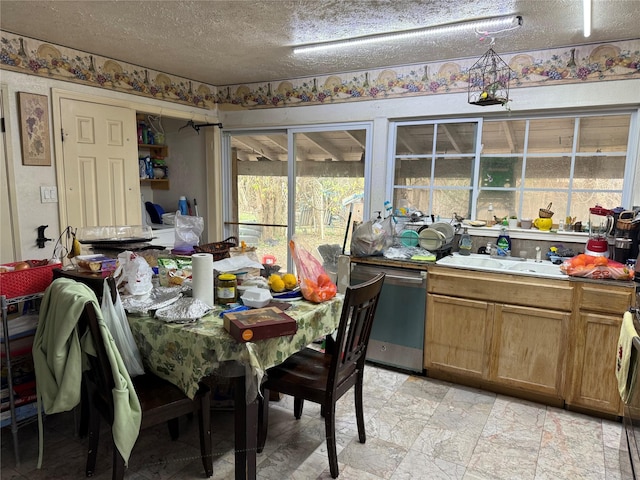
[(185, 353)]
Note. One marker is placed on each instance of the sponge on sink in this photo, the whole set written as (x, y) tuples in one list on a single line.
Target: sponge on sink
[(424, 258)]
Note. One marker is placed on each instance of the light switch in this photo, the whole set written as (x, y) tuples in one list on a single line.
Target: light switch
[(48, 194)]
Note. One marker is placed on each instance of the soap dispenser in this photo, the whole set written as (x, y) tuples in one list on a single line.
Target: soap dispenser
[(464, 245), (504, 243)]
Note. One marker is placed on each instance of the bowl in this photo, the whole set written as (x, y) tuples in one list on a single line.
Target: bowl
[(256, 297)]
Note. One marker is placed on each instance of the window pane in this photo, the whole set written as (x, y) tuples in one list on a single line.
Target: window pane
[(505, 203), (499, 172), (257, 204), (453, 172), (410, 199), (581, 202), (456, 138), (551, 135), (599, 173), (448, 202), (506, 136), (414, 139), (534, 201), (608, 133), (547, 172), (413, 171), (329, 174)]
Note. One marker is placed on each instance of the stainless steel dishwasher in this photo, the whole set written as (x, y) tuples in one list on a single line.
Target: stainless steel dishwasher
[(397, 335)]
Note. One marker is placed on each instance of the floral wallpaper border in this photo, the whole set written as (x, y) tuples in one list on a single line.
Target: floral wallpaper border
[(583, 63)]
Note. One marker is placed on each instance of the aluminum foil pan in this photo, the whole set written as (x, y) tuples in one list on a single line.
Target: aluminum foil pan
[(185, 310), (160, 297)]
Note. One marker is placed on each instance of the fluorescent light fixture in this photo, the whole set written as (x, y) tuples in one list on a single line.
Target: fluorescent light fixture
[(586, 10), (486, 27)]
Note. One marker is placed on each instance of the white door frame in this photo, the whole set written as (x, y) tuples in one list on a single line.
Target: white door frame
[(135, 104), (6, 157)]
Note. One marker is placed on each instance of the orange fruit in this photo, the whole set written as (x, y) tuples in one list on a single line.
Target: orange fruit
[(601, 261), (577, 261)]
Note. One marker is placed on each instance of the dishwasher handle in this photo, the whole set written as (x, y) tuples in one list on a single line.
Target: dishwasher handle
[(393, 274), (406, 278)]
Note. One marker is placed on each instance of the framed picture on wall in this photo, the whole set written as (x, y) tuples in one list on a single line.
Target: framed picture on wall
[(34, 129)]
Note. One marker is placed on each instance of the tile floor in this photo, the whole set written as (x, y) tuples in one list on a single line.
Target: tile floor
[(417, 428)]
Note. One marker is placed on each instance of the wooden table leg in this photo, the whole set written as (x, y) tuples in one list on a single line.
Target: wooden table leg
[(246, 432)]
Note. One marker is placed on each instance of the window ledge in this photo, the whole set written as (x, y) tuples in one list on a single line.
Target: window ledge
[(530, 234)]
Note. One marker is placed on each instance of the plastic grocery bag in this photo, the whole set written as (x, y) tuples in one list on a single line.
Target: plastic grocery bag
[(315, 284), (188, 231), (372, 237), (134, 271), (116, 320)]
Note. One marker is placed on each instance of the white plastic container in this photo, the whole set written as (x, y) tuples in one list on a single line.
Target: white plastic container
[(256, 297)]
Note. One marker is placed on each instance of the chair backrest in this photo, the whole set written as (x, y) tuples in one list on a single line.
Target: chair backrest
[(101, 373), (358, 311)]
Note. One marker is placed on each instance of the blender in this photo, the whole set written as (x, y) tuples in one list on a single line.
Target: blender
[(600, 226)]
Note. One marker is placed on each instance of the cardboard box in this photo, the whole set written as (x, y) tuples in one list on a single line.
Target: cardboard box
[(97, 264), (259, 323)]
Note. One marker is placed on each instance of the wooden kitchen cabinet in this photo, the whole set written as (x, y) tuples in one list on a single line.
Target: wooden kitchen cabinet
[(515, 342), (458, 335), (592, 383), (528, 348)]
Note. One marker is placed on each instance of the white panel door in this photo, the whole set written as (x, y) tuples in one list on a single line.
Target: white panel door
[(100, 152)]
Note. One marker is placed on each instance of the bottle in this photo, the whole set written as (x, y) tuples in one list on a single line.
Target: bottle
[(182, 205), (227, 289), (504, 243), (464, 245), (490, 215)]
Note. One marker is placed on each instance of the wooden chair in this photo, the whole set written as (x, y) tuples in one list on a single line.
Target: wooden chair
[(325, 377), (160, 401)]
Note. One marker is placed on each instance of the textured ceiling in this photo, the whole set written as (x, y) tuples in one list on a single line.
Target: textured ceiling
[(226, 42)]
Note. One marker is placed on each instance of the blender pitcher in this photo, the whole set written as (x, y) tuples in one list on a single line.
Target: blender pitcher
[(600, 227)]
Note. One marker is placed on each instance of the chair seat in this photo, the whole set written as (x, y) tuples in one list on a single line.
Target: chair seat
[(306, 371), (153, 392)]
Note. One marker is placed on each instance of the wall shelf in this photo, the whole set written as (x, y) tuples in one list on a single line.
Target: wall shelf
[(156, 151), (156, 183)]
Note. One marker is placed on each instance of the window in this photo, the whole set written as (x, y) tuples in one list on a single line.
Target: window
[(518, 165), (304, 181)]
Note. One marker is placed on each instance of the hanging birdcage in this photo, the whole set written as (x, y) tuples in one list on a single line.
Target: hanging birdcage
[(489, 80)]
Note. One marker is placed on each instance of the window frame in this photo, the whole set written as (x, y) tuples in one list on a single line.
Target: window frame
[(630, 156)]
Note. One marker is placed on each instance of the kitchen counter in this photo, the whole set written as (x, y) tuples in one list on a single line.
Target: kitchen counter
[(389, 262), (382, 261)]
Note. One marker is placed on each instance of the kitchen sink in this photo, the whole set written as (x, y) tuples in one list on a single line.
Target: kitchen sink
[(503, 265), (547, 268), (472, 261)]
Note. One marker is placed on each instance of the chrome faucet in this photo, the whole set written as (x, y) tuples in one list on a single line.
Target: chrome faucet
[(538, 255)]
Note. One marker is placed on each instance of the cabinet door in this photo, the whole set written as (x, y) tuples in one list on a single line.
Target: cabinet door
[(594, 383), (528, 348), (458, 335)]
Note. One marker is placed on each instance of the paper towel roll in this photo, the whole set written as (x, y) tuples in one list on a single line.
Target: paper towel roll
[(202, 277)]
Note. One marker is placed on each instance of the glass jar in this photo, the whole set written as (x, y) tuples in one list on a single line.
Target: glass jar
[(227, 289)]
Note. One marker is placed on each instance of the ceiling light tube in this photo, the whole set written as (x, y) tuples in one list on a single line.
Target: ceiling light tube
[(490, 25), (586, 9)]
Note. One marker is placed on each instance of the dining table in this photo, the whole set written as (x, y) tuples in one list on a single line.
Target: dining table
[(186, 353)]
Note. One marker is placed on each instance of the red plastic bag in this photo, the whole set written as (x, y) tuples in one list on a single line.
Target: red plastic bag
[(315, 284), (590, 266)]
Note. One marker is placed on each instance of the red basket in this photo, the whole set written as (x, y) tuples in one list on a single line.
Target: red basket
[(26, 282)]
